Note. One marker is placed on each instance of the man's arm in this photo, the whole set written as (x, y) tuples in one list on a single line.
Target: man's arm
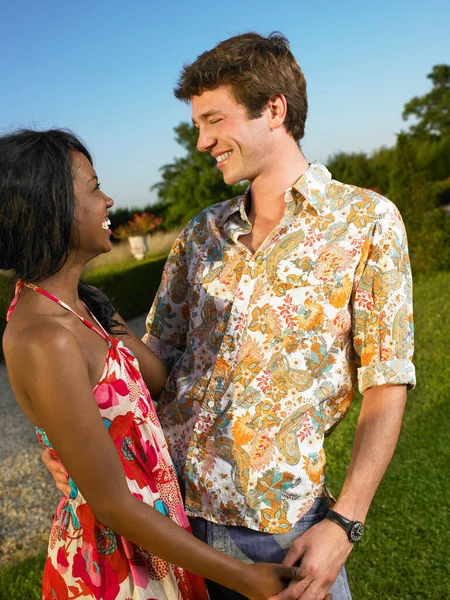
[(168, 318), (383, 344), (324, 548)]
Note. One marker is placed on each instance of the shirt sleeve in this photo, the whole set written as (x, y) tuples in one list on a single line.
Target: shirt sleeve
[(383, 332), (169, 315)]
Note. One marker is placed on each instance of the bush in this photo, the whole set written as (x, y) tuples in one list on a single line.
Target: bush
[(131, 286), (6, 295)]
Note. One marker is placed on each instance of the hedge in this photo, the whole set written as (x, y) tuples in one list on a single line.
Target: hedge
[(6, 295), (131, 286)]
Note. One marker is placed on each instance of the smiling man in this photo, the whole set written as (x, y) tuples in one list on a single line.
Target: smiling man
[(273, 307)]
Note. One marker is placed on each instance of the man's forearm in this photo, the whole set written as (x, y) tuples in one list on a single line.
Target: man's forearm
[(375, 440)]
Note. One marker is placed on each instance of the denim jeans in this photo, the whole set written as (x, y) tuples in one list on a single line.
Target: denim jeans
[(255, 546)]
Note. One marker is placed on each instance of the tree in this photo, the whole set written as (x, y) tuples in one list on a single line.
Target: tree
[(427, 225), (353, 168), (432, 110), (358, 169), (192, 182)]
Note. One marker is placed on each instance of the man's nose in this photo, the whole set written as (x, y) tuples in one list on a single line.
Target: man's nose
[(205, 140)]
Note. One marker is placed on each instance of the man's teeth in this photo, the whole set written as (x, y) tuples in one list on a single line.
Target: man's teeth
[(106, 223), (223, 156)]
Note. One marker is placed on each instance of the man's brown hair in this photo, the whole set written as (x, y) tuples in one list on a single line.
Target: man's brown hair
[(257, 68)]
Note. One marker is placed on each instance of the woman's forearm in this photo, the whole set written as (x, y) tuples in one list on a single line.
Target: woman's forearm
[(158, 534)]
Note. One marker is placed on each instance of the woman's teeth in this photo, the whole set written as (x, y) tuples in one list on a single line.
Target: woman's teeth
[(106, 223)]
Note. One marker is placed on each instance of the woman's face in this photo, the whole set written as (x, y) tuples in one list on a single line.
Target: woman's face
[(91, 226)]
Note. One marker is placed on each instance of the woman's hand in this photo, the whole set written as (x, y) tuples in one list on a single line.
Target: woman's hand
[(265, 580)]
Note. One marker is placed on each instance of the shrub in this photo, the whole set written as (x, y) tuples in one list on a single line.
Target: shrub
[(138, 225), (131, 287), (6, 295)]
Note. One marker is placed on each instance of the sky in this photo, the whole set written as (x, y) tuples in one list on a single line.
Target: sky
[(106, 70)]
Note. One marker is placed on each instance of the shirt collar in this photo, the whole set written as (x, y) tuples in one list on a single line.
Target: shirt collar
[(312, 187)]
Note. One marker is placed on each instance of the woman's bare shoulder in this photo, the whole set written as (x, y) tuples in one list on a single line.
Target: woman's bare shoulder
[(28, 340)]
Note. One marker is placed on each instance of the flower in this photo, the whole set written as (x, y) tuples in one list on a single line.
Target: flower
[(140, 224)]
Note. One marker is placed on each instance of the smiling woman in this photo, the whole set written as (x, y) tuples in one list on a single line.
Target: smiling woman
[(73, 366)]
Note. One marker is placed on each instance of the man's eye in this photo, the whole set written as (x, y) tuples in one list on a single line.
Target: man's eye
[(97, 187), (215, 121)]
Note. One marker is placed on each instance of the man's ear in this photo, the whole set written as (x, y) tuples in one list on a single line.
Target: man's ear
[(277, 110)]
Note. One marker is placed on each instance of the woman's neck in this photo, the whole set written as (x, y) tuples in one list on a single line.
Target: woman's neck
[(64, 284)]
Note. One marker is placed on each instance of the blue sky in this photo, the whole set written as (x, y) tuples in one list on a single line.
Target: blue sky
[(106, 70)]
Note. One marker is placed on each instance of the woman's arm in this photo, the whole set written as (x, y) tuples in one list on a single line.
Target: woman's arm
[(58, 388), (154, 371)]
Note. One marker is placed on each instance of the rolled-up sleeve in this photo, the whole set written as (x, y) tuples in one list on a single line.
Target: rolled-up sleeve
[(383, 332), (169, 315)]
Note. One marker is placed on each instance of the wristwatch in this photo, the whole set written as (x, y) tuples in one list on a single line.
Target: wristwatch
[(354, 529)]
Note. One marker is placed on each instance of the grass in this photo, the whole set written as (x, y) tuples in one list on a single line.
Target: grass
[(404, 554), (22, 581)]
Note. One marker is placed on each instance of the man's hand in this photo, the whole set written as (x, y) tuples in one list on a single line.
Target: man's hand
[(322, 550), (57, 471)]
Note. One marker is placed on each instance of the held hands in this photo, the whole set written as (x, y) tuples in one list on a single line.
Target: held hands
[(57, 471), (322, 550), (266, 579)]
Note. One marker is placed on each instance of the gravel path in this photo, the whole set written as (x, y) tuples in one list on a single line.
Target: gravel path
[(28, 497)]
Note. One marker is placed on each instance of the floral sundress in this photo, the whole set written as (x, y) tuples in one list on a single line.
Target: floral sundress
[(85, 558)]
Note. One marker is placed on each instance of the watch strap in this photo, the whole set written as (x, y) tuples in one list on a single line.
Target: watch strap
[(354, 529), (339, 519)]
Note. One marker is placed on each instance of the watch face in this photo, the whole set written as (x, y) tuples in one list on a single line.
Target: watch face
[(356, 531)]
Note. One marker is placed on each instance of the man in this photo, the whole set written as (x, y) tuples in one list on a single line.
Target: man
[(272, 305)]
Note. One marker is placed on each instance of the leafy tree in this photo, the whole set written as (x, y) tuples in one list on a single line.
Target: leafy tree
[(433, 156), (381, 165), (361, 170), (192, 182), (353, 168), (427, 225), (432, 111)]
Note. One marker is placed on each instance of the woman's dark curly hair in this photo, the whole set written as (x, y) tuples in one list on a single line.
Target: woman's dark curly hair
[(37, 205)]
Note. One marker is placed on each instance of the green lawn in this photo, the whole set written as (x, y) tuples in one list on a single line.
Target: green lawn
[(404, 554)]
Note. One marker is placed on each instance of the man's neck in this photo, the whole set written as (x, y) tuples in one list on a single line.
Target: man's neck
[(268, 189)]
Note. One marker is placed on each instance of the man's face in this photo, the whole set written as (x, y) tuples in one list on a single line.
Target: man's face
[(241, 146)]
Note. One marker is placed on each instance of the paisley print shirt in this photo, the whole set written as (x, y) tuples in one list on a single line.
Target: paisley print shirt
[(267, 348)]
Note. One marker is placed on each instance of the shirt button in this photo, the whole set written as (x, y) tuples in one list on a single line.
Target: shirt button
[(211, 404)]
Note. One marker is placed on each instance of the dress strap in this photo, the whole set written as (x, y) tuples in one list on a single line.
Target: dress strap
[(12, 306), (20, 284)]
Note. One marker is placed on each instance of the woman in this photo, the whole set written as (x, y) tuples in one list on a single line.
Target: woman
[(73, 366)]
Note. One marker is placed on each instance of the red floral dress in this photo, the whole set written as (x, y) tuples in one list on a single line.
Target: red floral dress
[(86, 559)]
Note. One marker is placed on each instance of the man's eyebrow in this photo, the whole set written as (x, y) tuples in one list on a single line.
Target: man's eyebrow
[(207, 114)]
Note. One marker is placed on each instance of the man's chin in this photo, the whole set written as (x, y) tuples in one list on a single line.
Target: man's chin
[(232, 179)]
